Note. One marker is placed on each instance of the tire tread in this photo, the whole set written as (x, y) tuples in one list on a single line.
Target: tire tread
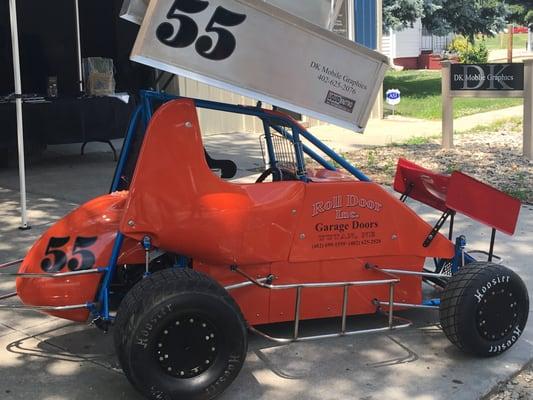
[(154, 289)]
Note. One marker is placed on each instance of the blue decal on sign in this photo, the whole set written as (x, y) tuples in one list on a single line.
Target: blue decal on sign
[(393, 96)]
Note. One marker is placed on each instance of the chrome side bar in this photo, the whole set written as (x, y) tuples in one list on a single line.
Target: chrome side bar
[(297, 312), (42, 275), (10, 263), (42, 308), (415, 273), (433, 285), (8, 295), (330, 335), (344, 309), (485, 253), (316, 285), (54, 274), (244, 284), (407, 305), (345, 285)]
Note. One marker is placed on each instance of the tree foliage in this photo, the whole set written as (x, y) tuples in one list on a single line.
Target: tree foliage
[(400, 14), (521, 11), (467, 17)]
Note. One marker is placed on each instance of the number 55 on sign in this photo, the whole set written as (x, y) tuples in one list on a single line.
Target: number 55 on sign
[(263, 52)]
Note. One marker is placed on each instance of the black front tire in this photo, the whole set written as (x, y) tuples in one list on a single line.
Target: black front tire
[(179, 335), (484, 309)]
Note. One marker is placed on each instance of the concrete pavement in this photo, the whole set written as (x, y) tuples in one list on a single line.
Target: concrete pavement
[(398, 129), (44, 358), (500, 55)]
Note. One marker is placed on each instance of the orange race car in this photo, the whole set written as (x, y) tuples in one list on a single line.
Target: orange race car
[(183, 262)]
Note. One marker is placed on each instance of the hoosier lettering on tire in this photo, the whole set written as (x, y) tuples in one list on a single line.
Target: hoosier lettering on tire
[(179, 335), (484, 308)]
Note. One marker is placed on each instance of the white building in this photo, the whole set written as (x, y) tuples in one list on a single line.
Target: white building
[(415, 48)]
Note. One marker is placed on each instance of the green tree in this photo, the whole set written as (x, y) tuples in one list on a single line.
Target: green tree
[(400, 14), (467, 17), (521, 11)]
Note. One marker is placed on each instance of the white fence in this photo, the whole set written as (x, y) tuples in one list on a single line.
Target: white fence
[(437, 44)]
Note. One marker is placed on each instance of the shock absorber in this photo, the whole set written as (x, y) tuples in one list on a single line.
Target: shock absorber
[(147, 245)]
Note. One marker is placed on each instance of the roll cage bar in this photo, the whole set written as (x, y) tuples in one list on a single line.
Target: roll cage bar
[(280, 123)]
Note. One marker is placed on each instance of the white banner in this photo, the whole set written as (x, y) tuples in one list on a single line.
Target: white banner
[(263, 52), (134, 10), (320, 12)]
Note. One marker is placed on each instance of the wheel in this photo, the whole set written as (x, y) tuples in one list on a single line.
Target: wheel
[(179, 335), (484, 308)]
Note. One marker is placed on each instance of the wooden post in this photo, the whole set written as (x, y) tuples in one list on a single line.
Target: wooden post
[(377, 111), (528, 109), (530, 37), (447, 106), (510, 44)]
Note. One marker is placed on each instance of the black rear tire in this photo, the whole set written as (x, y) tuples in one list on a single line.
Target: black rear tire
[(179, 335), (484, 309)]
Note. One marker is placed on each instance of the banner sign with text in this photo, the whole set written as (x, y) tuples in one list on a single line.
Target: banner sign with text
[(321, 12), (487, 76), (263, 52), (134, 10)]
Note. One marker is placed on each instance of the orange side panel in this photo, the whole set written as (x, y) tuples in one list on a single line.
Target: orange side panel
[(177, 200), (360, 219), (300, 232), (185, 208), (82, 239), (261, 306), (253, 301), (327, 302)]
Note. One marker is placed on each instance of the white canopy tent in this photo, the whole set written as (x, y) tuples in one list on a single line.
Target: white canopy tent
[(18, 99), (321, 12)]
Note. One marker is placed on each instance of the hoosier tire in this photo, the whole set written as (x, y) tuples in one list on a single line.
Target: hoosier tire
[(484, 309), (179, 335)]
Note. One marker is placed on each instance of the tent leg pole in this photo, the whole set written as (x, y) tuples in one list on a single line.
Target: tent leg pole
[(18, 99), (78, 43)]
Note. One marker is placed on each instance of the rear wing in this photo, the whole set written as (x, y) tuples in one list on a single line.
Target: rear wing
[(458, 192), (321, 12), (257, 50)]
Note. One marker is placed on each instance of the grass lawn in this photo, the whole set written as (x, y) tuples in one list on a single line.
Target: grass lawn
[(500, 41), (421, 96)]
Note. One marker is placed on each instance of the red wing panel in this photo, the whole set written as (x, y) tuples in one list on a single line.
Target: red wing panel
[(483, 203), (422, 184)]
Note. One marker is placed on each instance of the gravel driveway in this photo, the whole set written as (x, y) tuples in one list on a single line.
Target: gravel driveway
[(494, 157)]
